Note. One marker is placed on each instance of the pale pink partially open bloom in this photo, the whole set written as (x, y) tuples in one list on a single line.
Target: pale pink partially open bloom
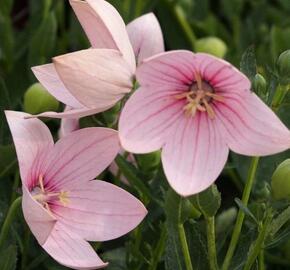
[(95, 79), (62, 204), (196, 107)]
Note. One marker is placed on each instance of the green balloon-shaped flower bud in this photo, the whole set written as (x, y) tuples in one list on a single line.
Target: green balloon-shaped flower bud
[(281, 181), (260, 85), (38, 100), (283, 67), (211, 45), (149, 162)]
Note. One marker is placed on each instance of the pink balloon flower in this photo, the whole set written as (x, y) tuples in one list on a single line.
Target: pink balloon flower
[(95, 79), (62, 204), (196, 107)]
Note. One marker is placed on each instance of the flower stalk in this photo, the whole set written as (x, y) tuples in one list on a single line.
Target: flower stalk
[(9, 219), (211, 244), (184, 246)]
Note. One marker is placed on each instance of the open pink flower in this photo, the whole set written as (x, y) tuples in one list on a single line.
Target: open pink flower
[(62, 204), (196, 107), (94, 80)]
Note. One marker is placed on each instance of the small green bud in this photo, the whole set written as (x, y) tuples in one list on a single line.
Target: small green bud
[(260, 85), (211, 45), (283, 67), (149, 162), (38, 100), (281, 181)]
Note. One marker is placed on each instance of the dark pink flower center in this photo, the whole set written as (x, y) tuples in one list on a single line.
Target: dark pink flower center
[(44, 197), (199, 98)]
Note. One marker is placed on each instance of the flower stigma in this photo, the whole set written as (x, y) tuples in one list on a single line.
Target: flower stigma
[(199, 98), (43, 197)]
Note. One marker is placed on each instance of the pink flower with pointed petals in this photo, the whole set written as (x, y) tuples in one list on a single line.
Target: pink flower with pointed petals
[(62, 204), (94, 80), (196, 107)]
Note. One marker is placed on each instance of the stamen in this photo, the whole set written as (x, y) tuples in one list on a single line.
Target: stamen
[(198, 80), (199, 97), (209, 109), (40, 180), (63, 198), (215, 96)]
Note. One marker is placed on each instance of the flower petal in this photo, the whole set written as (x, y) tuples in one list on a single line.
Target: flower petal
[(48, 77), (249, 126), (80, 156), (104, 27), (32, 141), (146, 36), (221, 75), (39, 220), (67, 126), (174, 69), (98, 78), (147, 118), (99, 211), (194, 155), (70, 250), (71, 114)]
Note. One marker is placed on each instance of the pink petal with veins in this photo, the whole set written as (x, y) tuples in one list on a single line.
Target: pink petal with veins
[(250, 127), (39, 220), (104, 27), (32, 141), (99, 211), (194, 155), (147, 119), (146, 36), (68, 125), (97, 78), (71, 250), (79, 156), (48, 77)]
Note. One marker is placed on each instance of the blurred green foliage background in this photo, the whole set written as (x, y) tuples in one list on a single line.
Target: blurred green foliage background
[(33, 31)]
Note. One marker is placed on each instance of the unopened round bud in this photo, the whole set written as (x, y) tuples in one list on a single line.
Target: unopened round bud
[(38, 100), (259, 84), (281, 181), (283, 67), (211, 45)]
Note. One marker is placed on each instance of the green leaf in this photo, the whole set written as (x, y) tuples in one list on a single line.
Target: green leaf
[(7, 41), (208, 202), (248, 63), (8, 258), (43, 41), (246, 210), (279, 221), (173, 250), (131, 174)]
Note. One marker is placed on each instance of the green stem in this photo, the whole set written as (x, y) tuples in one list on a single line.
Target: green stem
[(9, 218), (181, 17), (184, 246), (262, 260), (241, 215), (210, 230), (158, 250), (258, 245), (15, 186), (25, 248)]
